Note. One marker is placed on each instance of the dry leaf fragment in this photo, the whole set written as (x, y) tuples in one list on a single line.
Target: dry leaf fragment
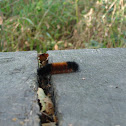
[(41, 97), (45, 101), (14, 119), (1, 20), (56, 47), (49, 106), (49, 124), (55, 119), (58, 26)]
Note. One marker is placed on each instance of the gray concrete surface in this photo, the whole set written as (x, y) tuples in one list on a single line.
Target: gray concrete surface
[(18, 82), (96, 95)]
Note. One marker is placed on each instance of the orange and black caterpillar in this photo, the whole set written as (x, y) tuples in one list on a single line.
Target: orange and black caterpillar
[(57, 68)]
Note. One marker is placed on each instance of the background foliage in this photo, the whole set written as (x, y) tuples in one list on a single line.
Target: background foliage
[(61, 24)]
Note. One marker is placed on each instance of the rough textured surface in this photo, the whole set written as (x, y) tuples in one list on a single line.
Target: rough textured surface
[(95, 96), (18, 81)]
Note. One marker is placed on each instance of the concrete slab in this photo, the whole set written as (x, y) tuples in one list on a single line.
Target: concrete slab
[(18, 82), (95, 96)]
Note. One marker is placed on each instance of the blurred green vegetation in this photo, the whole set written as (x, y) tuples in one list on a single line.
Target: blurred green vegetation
[(61, 24)]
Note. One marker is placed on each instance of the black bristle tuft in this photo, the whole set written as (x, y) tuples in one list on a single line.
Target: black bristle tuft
[(44, 71), (73, 65)]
